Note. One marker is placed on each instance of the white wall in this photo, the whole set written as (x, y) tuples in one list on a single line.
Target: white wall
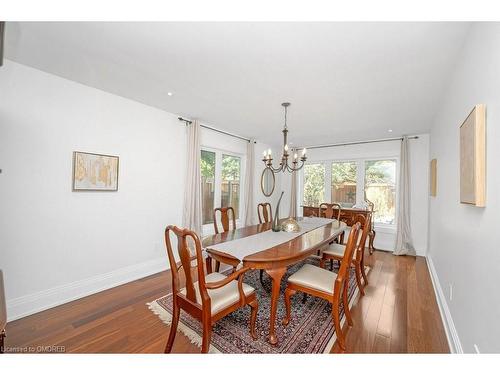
[(419, 151), (464, 240), (57, 245)]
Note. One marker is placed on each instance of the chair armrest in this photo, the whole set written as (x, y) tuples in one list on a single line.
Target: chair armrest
[(227, 280), (224, 258), (235, 275)]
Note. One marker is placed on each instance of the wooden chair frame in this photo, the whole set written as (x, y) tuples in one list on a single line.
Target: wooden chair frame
[(188, 301), (372, 233), (224, 218), (358, 261), (327, 210), (340, 289), (267, 213)]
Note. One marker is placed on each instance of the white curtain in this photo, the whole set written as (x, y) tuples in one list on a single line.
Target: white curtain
[(249, 184), (404, 243), (293, 196), (191, 217)]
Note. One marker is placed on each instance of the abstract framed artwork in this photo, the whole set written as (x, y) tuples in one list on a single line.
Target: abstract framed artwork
[(95, 172), (473, 158)]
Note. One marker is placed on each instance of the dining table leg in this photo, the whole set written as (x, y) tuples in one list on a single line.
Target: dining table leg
[(276, 275)]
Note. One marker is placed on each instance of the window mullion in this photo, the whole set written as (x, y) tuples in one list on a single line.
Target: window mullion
[(328, 182), (218, 179), (360, 184)]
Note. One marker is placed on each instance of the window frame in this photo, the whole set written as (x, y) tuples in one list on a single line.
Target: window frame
[(360, 183), (209, 228)]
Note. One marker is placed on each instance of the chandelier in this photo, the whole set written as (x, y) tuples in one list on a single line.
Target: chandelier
[(284, 164)]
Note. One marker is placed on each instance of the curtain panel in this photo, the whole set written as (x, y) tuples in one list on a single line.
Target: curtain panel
[(404, 242), (191, 217)]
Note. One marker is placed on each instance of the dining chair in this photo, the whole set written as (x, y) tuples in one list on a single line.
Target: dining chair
[(327, 285), (267, 214), (224, 219), (371, 207), (212, 296), (337, 251), (327, 210)]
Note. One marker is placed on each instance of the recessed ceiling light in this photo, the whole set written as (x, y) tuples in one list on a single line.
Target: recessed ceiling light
[(169, 94), (390, 130)]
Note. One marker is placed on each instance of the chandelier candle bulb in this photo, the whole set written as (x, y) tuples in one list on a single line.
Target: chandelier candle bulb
[(303, 152)]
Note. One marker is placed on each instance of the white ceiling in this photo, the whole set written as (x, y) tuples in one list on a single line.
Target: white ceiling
[(346, 81)]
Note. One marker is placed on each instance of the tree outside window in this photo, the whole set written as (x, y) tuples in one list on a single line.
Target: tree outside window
[(344, 180), (230, 189), (314, 184), (380, 188), (207, 185)]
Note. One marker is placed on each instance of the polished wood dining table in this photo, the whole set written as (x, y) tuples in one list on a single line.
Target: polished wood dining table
[(274, 260)]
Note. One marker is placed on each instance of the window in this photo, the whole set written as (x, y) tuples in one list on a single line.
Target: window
[(220, 183), (380, 188), (344, 182), (230, 189), (352, 182), (314, 184), (207, 185)]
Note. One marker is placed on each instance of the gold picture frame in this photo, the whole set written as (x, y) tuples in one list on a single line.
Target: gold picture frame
[(95, 172), (473, 158)]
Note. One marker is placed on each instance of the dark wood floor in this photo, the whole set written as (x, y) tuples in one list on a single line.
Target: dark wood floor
[(398, 314)]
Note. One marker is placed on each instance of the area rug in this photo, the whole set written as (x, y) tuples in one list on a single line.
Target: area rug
[(310, 329)]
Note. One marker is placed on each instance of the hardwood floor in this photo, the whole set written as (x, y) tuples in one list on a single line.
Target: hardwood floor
[(398, 314)]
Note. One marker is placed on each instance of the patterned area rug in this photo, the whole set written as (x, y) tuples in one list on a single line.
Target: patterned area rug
[(310, 330)]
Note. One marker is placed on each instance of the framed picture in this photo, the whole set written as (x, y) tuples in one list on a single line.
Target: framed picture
[(473, 158), (94, 172), (433, 177)]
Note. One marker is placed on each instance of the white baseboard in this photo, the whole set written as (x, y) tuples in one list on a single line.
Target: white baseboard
[(449, 326), (46, 299)]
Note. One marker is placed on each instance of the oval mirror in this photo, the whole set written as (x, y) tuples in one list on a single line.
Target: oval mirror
[(267, 181)]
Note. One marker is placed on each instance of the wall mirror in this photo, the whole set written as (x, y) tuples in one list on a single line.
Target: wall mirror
[(267, 182)]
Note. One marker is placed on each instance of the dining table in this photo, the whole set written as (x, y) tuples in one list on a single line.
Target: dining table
[(259, 247)]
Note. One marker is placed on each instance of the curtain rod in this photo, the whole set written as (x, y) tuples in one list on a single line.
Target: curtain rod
[(216, 130), (359, 142)]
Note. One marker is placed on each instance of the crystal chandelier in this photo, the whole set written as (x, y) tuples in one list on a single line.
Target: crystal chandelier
[(284, 163)]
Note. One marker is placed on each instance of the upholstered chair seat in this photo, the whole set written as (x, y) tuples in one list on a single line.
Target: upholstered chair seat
[(335, 249), (314, 277), (222, 297)]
